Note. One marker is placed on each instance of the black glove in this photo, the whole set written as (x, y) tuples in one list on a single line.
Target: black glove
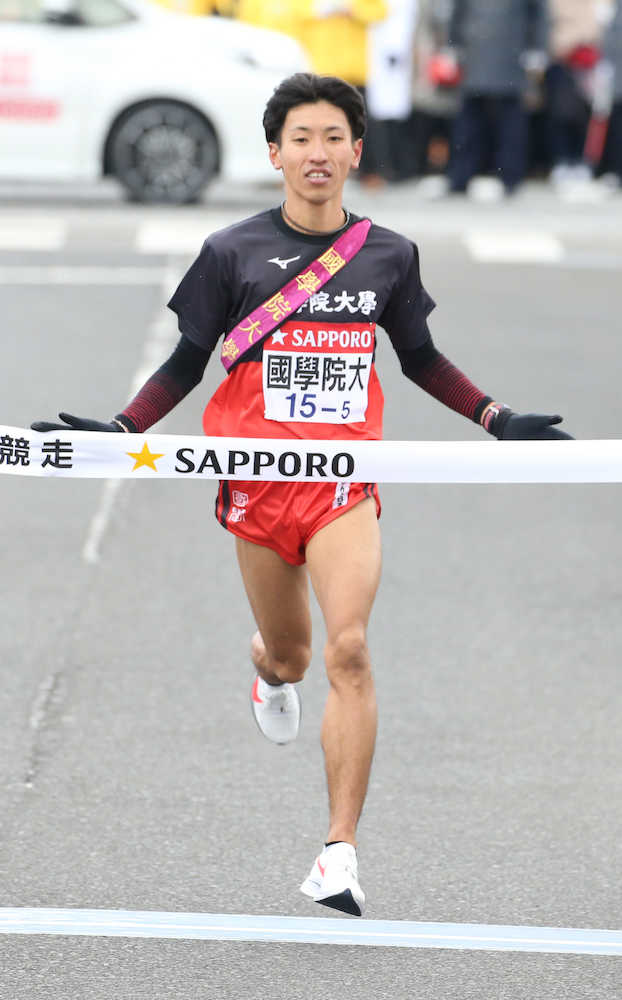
[(79, 424), (509, 426)]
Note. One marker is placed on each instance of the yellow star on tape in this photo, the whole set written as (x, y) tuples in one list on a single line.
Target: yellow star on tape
[(144, 457)]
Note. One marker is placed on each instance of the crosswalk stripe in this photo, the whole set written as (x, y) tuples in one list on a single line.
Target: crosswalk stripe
[(178, 235), (67, 274), (31, 233), (519, 247)]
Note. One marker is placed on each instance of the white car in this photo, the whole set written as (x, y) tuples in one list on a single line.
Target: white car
[(162, 101)]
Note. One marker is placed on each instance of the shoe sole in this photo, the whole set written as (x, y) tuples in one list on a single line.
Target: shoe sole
[(344, 901)]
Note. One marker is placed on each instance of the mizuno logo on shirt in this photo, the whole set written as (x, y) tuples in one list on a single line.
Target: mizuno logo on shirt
[(283, 263)]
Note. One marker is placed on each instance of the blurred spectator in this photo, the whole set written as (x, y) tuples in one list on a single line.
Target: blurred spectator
[(389, 93), (495, 41), (435, 88), (278, 15), (613, 55), (576, 29), (334, 32), (336, 35)]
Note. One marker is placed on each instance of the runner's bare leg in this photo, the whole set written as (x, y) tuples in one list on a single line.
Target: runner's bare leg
[(279, 598), (344, 561)]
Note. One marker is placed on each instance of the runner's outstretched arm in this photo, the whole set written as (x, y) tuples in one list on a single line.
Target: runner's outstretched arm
[(432, 371), (161, 392)]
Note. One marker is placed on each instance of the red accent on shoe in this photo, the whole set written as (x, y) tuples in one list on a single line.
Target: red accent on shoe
[(255, 696), (322, 870)]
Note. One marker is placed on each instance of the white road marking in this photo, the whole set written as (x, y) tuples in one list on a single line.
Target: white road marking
[(179, 236), (160, 339), (45, 694), (30, 232), (67, 274), (309, 930), (49, 695), (100, 521), (514, 246)]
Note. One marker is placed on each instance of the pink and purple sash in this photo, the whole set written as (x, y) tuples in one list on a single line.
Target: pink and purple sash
[(263, 320)]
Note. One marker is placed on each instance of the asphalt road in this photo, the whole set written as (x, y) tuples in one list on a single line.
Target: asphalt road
[(131, 773)]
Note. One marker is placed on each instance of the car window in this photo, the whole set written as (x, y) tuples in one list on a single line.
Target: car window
[(94, 13), (102, 13)]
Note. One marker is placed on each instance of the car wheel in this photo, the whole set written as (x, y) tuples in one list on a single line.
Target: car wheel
[(163, 152)]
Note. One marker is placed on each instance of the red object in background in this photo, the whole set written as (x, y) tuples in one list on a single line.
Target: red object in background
[(15, 69), (595, 140), (443, 70), (583, 57)]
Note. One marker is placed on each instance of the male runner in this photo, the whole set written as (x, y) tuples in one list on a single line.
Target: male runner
[(312, 377)]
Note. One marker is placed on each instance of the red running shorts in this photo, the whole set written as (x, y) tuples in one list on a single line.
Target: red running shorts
[(284, 516)]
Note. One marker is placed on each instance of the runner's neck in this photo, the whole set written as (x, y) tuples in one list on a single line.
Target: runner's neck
[(311, 225)]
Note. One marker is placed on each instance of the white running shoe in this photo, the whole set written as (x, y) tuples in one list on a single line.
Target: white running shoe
[(334, 881), (276, 709)]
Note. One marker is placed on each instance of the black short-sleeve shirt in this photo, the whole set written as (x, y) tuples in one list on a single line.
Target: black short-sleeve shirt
[(241, 266), (315, 376)]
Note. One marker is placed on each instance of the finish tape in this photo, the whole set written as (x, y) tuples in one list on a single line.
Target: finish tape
[(86, 455)]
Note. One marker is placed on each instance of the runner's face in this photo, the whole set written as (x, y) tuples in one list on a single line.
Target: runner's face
[(316, 152)]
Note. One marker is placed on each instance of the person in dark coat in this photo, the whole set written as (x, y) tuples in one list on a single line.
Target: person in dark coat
[(495, 42), (613, 55)]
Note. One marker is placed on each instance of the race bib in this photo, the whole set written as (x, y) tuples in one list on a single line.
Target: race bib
[(314, 372)]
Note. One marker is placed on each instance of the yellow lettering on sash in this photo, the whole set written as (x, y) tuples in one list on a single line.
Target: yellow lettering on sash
[(332, 260), (308, 281), (250, 329), (230, 349), (277, 306)]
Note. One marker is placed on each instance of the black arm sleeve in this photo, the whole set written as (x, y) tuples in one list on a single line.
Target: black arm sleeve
[(413, 361), (433, 372), (166, 387), (187, 363)]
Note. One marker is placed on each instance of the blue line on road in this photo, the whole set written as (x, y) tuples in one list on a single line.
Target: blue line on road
[(312, 930)]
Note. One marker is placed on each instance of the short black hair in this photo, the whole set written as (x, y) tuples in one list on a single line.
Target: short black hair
[(309, 88)]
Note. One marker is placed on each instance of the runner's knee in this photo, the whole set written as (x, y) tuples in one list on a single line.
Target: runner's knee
[(292, 669), (347, 657), (288, 660)]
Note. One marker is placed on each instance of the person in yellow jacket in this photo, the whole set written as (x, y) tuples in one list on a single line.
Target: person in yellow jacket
[(333, 32), (335, 35), (278, 15)]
